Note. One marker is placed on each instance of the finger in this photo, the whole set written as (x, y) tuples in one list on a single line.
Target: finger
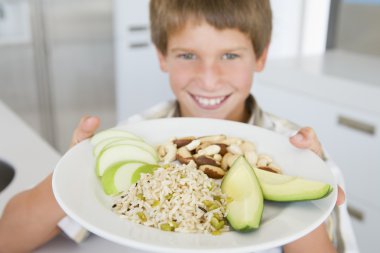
[(306, 138), (341, 196), (85, 129)]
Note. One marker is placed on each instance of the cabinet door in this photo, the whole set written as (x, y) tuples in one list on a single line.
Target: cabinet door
[(139, 80), (366, 221), (354, 143)]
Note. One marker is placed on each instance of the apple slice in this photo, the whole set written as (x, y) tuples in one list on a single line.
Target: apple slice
[(138, 143), (122, 153), (111, 133), (106, 143), (146, 168), (108, 178), (278, 187), (99, 146), (120, 177), (240, 183)]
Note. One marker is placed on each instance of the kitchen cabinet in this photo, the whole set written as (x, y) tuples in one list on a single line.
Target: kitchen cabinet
[(139, 81), (347, 127)]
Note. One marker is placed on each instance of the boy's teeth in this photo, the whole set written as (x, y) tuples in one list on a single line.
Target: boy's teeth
[(209, 101)]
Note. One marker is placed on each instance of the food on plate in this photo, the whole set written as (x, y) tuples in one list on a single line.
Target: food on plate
[(282, 188), (190, 184), (245, 209), (106, 143), (120, 159), (120, 177), (112, 133), (214, 154), (122, 153), (175, 198)]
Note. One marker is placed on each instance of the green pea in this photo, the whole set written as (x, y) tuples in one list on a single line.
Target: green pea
[(166, 227), (142, 216)]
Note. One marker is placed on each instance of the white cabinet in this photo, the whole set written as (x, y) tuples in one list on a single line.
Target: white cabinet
[(139, 81), (366, 225), (348, 131)]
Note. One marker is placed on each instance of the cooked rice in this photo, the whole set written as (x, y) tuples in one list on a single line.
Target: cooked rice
[(177, 197)]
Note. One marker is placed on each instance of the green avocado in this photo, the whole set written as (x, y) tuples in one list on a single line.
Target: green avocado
[(245, 210), (281, 188)]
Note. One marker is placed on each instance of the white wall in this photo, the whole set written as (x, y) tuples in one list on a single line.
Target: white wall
[(299, 27)]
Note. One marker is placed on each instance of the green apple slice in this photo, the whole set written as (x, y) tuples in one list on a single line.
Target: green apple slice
[(112, 133), (101, 144), (122, 153), (245, 210), (147, 168), (278, 187), (106, 143), (138, 143), (120, 177), (108, 178)]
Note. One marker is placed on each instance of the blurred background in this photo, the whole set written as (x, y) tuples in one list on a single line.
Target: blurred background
[(61, 59)]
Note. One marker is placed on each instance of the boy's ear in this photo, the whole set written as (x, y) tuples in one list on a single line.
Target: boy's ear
[(162, 60), (260, 63)]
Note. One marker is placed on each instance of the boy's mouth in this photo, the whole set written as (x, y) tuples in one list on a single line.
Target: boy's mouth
[(209, 102)]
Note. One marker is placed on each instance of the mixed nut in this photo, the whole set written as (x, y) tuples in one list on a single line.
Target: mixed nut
[(214, 154)]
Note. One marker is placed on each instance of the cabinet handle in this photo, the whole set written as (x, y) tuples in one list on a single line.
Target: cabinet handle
[(138, 28), (357, 125), (355, 213), (139, 45)]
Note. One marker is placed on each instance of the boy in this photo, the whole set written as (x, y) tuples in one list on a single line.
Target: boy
[(210, 50)]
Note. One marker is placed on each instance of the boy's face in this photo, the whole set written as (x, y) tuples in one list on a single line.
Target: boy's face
[(211, 71)]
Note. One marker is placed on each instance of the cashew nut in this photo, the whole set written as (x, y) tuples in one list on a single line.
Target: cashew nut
[(210, 150), (234, 149), (171, 152)]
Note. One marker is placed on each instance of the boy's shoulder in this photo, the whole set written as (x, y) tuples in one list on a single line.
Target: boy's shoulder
[(166, 109)]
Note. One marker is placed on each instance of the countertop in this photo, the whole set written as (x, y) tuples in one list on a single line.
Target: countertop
[(33, 159)]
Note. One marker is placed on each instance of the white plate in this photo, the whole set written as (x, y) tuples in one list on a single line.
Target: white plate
[(79, 193)]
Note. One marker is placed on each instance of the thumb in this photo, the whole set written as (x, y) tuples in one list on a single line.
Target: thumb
[(85, 129), (306, 138)]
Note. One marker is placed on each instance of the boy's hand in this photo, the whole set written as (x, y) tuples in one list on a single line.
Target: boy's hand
[(307, 138), (85, 129)]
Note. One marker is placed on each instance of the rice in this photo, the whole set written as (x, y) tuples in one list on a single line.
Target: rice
[(176, 198)]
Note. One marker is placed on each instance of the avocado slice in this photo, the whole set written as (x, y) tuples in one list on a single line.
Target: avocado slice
[(240, 183), (278, 187)]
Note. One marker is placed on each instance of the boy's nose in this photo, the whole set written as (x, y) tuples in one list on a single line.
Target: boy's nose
[(209, 75)]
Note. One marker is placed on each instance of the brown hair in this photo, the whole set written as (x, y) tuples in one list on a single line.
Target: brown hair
[(251, 17)]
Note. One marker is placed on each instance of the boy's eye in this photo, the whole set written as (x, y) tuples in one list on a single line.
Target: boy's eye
[(187, 56), (229, 56)]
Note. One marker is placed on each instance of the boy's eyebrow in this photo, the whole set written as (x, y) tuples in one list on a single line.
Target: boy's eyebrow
[(180, 49)]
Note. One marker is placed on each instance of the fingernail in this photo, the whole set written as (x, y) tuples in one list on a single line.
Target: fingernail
[(298, 137), (88, 121)]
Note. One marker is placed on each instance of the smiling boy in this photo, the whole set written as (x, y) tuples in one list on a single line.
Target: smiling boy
[(211, 50), (209, 59)]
